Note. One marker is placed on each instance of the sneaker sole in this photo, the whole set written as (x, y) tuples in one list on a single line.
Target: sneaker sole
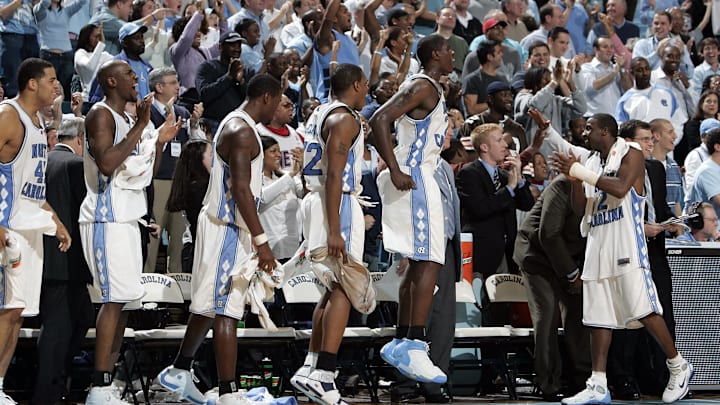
[(305, 390), (317, 399), (404, 369), (178, 390)]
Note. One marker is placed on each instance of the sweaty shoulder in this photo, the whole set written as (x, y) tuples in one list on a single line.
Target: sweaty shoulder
[(11, 137)]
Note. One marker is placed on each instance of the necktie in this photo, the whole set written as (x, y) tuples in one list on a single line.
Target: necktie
[(496, 180)]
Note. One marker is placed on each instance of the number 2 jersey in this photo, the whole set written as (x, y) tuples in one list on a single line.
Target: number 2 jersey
[(315, 159), (22, 180), (614, 226)]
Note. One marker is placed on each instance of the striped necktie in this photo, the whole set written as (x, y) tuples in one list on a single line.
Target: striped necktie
[(496, 180)]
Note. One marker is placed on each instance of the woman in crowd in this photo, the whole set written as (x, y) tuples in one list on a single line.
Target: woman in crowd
[(250, 30), (190, 181), (279, 209), (89, 56), (156, 37), (398, 48), (707, 107)]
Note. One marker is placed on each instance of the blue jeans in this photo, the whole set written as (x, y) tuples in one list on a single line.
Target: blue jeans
[(18, 47), (64, 68)]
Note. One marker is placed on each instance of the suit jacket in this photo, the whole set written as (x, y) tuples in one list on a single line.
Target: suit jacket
[(445, 173), (167, 165), (490, 215), (549, 240), (656, 245), (65, 192)]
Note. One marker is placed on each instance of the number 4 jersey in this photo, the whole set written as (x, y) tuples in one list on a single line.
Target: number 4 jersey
[(22, 180)]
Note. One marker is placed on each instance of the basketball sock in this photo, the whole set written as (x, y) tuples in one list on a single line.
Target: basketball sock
[(2, 381), (417, 332), (600, 377), (311, 359), (326, 361), (227, 387), (102, 378), (676, 361), (401, 332), (183, 362)]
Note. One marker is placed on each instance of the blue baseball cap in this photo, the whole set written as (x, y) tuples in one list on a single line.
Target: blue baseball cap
[(130, 29), (708, 125)]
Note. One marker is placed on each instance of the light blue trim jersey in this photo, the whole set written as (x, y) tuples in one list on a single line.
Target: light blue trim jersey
[(315, 159), (22, 180), (105, 201), (219, 202)]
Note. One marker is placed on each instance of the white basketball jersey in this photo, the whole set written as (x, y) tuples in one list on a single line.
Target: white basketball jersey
[(219, 201), (105, 201), (615, 232), (315, 160), (419, 142), (286, 143), (22, 181)]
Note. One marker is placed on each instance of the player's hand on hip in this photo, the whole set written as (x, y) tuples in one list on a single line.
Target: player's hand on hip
[(336, 247), (266, 259), (402, 181)]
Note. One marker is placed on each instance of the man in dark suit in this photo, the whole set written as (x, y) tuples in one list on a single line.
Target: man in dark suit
[(550, 252), (66, 311), (631, 348), (490, 190), (164, 82)]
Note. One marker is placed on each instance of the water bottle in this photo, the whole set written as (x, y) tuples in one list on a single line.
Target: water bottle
[(12, 252), (266, 365)]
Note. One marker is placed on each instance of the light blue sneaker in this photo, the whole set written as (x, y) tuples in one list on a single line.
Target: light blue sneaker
[(180, 382), (414, 362), (387, 351), (592, 394)]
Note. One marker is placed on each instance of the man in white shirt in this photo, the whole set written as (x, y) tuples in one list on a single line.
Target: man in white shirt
[(669, 76), (295, 28), (604, 81), (645, 101), (551, 16), (708, 48), (650, 48)]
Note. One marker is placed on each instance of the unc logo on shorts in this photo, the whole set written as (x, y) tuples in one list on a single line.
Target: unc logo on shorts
[(421, 250)]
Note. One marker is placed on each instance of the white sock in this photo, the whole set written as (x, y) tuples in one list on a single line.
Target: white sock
[(676, 361), (599, 377), (311, 359), (2, 380)]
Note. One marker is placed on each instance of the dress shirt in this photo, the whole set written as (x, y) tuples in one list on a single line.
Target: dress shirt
[(605, 99)]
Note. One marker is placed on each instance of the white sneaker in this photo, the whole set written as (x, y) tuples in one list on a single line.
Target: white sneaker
[(233, 398), (299, 380), (677, 386), (321, 384), (592, 394), (107, 395), (414, 362), (180, 382), (386, 352), (5, 399)]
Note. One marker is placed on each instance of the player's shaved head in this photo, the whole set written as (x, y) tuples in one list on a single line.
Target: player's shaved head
[(107, 70)]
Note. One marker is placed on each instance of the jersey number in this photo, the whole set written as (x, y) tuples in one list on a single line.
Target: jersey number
[(311, 168), (40, 172), (601, 204)]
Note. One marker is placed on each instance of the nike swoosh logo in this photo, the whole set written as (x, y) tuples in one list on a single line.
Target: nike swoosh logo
[(683, 384)]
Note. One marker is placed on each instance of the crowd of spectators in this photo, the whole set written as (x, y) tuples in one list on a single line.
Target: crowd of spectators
[(654, 61)]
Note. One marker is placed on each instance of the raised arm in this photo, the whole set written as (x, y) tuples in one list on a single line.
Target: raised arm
[(324, 37), (100, 132)]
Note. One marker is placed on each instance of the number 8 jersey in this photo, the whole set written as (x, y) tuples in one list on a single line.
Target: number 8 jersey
[(315, 160)]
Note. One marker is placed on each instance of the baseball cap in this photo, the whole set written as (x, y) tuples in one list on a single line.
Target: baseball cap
[(129, 29), (496, 87), (491, 23), (708, 125), (230, 37)]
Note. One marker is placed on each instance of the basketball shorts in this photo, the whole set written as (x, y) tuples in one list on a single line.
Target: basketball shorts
[(20, 286), (619, 302), (114, 254), (412, 221)]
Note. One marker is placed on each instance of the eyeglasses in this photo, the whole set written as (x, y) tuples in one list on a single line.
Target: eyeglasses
[(645, 139)]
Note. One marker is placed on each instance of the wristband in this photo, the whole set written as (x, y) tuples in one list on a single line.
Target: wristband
[(581, 172), (378, 53), (260, 239)]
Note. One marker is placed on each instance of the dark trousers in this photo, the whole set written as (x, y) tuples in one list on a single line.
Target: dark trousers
[(64, 68), (17, 48), (549, 300), (66, 313)]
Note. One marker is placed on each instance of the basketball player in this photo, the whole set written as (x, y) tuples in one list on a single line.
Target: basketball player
[(24, 213), (117, 148), (334, 221), (228, 228), (409, 191), (618, 291)]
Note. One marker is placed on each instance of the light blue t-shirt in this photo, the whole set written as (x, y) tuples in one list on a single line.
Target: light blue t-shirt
[(707, 185), (141, 71)]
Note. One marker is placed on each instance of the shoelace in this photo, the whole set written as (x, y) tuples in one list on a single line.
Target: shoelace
[(194, 377)]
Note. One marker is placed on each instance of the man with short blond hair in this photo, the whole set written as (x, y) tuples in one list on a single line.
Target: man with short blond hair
[(665, 138)]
